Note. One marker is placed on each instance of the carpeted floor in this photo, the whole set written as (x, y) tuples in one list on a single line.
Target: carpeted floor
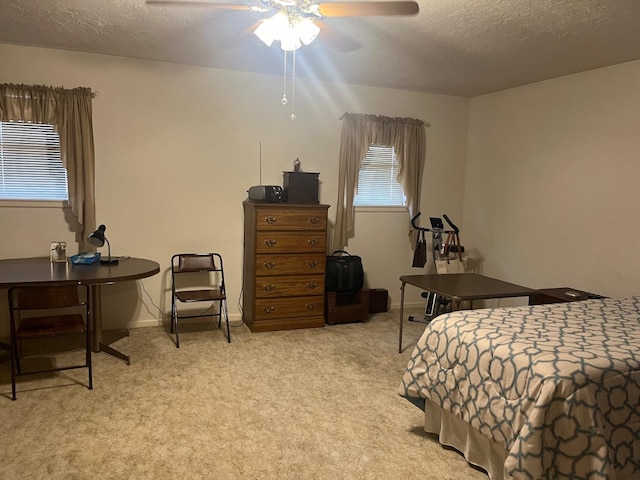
[(299, 404)]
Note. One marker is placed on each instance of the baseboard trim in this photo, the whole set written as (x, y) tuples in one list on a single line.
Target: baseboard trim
[(235, 320)]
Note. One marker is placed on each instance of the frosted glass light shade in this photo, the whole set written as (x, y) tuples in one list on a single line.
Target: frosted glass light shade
[(306, 30), (291, 32)]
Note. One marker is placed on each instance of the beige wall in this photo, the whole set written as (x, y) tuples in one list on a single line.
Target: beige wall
[(552, 182), (178, 146)]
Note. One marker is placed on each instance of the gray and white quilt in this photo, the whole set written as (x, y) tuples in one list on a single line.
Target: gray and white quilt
[(557, 386)]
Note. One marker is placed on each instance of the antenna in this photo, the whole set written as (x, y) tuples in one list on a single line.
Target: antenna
[(260, 162)]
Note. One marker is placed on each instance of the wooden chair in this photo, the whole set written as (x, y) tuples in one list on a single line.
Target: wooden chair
[(198, 278), (39, 312)]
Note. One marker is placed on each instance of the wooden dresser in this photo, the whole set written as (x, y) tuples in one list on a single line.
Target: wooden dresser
[(284, 265)]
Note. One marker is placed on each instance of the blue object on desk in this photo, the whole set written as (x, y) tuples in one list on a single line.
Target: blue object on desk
[(85, 258)]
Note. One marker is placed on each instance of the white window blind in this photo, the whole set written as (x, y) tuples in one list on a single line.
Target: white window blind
[(30, 163), (377, 183)]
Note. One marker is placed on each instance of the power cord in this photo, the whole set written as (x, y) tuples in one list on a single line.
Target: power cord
[(151, 300), (231, 323)]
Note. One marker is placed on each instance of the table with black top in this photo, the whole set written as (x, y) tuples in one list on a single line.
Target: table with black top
[(562, 295), (461, 287), (41, 271)]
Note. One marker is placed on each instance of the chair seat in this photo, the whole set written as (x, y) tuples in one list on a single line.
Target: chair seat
[(52, 325), (187, 296)]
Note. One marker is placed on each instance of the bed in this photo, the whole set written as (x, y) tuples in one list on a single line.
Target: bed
[(534, 392)]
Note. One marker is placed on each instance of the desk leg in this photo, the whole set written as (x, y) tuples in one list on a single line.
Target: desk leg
[(96, 310), (98, 346), (401, 317)]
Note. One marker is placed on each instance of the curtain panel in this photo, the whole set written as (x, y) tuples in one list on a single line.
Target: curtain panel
[(359, 132), (69, 111)]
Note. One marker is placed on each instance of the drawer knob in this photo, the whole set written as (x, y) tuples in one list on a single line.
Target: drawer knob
[(269, 265), (313, 263), (269, 287), (314, 242), (312, 285), (314, 220), (267, 309), (269, 242), (311, 306), (270, 220)]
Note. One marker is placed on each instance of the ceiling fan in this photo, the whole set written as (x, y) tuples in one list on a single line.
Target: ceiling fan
[(298, 22), (295, 22)]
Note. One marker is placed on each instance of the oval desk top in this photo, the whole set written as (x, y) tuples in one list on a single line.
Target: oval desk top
[(29, 271)]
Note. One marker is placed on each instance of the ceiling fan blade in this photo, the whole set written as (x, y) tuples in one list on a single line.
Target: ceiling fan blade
[(201, 3), (367, 9)]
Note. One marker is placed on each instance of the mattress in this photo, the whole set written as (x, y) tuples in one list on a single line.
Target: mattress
[(555, 388)]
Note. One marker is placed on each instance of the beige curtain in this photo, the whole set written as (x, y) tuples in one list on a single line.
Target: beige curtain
[(359, 132), (70, 113)]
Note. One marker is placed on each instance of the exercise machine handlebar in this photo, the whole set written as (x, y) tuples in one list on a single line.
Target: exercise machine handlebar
[(448, 220), (455, 229)]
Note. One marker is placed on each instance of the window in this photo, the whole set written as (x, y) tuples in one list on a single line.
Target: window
[(377, 183), (30, 163)]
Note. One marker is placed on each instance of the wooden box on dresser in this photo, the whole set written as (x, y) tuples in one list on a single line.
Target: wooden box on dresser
[(284, 266)]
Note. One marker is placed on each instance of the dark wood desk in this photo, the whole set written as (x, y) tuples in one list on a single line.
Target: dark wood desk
[(460, 287), (39, 270), (558, 295)]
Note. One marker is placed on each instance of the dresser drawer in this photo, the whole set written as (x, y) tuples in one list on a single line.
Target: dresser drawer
[(274, 219), (289, 286), (272, 308), (290, 264), (291, 242)]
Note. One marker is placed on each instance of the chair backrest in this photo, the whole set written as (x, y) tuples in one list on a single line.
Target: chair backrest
[(196, 263), (44, 301), (47, 297), (193, 263)]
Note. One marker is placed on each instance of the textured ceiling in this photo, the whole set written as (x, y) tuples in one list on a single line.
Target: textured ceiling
[(457, 47)]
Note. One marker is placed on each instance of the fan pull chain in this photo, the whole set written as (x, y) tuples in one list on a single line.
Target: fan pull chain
[(284, 100), (293, 88)]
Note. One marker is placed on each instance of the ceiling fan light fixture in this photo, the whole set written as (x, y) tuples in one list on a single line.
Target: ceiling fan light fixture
[(272, 28), (306, 30), (291, 31), (289, 40), (265, 33)]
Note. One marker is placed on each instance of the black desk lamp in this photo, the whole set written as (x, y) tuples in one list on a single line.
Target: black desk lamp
[(98, 238)]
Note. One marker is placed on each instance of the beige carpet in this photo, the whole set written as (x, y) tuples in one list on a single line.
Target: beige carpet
[(305, 404)]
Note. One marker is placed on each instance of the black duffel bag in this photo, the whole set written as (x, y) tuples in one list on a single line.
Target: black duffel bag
[(344, 273)]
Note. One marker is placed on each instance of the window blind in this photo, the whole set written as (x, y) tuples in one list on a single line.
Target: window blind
[(377, 183), (30, 163)]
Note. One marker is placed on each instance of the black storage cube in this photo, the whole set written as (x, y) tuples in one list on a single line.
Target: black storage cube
[(300, 187), (378, 300)]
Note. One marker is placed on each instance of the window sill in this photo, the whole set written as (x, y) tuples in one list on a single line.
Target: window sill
[(380, 209), (34, 204)]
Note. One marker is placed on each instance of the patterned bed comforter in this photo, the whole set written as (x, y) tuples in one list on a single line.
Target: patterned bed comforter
[(557, 386)]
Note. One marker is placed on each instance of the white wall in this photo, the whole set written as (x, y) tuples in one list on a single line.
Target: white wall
[(552, 182), (178, 146)]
